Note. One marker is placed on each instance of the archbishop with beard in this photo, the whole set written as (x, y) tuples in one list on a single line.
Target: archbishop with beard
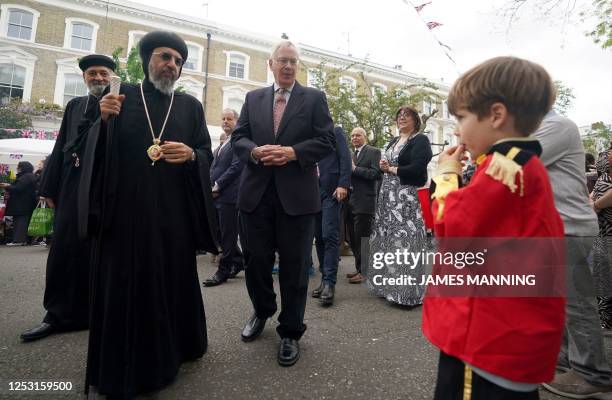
[(148, 204)]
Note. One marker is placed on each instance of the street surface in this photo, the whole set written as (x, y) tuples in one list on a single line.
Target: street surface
[(361, 347)]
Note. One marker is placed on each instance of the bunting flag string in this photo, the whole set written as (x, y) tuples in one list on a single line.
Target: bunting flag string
[(431, 25), (445, 46), (421, 7), (28, 134)]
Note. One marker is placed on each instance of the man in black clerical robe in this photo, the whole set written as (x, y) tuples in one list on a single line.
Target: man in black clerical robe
[(148, 217), (66, 296)]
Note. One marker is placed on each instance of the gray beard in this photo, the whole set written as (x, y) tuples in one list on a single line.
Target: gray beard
[(164, 85), (96, 89)]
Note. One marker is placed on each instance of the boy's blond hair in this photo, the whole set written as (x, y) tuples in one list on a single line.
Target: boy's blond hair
[(524, 87)]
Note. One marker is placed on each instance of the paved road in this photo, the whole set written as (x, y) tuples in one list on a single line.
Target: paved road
[(362, 347)]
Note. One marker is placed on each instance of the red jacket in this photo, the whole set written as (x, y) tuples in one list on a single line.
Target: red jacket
[(517, 338)]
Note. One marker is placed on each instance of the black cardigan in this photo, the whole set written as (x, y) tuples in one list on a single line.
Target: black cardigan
[(413, 160)]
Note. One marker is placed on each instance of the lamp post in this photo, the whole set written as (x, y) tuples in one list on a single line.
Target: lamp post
[(443, 145), (207, 58)]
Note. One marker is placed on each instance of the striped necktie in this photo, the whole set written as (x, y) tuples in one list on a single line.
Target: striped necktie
[(279, 107)]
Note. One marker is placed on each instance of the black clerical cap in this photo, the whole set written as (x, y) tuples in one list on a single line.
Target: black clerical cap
[(155, 39), (96, 60)]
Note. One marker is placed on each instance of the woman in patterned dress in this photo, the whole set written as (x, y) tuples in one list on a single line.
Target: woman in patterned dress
[(398, 223), (602, 248)]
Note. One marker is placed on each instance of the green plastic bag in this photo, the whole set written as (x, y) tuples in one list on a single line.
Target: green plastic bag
[(41, 223)]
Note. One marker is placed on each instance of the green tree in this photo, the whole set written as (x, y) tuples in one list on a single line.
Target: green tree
[(367, 105), (13, 116), (565, 97), (598, 138), (602, 33), (132, 71), (564, 11)]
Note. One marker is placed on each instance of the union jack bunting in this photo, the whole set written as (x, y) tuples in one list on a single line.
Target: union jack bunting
[(419, 8), (28, 134), (432, 24)]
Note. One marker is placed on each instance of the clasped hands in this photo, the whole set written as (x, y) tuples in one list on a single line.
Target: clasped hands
[(385, 167), (273, 155)]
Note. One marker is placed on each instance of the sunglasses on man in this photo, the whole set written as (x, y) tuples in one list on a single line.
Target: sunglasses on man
[(167, 57)]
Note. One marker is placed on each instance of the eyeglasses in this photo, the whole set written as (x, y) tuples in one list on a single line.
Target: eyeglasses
[(287, 61), (167, 57), (404, 115)]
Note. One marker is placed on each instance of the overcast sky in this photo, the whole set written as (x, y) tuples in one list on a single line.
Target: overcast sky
[(391, 32)]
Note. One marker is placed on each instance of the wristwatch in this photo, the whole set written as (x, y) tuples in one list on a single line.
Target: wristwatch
[(193, 155)]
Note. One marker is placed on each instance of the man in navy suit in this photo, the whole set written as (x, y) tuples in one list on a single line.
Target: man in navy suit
[(225, 176), (282, 132), (334, 182)]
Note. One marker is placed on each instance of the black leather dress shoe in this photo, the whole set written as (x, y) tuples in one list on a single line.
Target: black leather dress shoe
[(235, 270), (39, 332), (288, 352), (327, 294), (215, 280), (317, 292), (253, 328)]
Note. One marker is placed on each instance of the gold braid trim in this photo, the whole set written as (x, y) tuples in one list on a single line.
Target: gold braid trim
[(445, 184), (467, 383), (449, 167), (504, 169)]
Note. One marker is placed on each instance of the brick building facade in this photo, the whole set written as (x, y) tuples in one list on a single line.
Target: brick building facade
[(41, 41)]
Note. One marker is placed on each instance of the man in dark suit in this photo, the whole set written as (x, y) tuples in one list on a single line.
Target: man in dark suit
[(362, 200), (282, 132), (334, 182), (222, 139), (225, 176)]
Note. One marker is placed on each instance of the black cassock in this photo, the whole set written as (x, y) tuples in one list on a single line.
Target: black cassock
[(67, 280), (147, 314)]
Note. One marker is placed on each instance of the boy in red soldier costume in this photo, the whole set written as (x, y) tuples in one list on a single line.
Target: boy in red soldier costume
[(496, 347)]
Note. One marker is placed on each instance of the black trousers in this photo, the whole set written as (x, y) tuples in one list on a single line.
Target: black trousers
[(228, 229), (456, 382), (268, 229), (20, 228), (359, 227)]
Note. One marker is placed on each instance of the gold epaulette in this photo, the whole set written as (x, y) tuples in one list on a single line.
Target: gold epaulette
[(503, 168)]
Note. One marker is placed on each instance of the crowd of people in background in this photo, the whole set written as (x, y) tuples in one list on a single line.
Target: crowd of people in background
[(277, 184), (21, 198)]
